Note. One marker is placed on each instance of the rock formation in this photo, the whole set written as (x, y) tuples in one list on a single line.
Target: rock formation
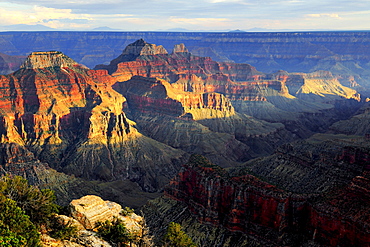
[(124, 129), (71, 118), (75, 119), (89, 210), (342, 53), (304, 103), (180, 48), (40, 60), (194, 121), (281, 92), (85, 212), (270, 213), (84, 239)]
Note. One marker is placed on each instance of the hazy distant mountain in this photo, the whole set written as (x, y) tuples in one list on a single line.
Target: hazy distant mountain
[(25, 27), (105, 28), (237, 31), (179, 30)]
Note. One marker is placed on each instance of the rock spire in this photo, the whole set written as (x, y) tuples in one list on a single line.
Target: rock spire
[(180, 48), (141, 47)]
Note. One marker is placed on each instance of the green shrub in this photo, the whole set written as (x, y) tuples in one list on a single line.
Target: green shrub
[(10, 239), (38, 204), (175, 237), (126, 211), (61, 231), (115, 232), (16, 229)]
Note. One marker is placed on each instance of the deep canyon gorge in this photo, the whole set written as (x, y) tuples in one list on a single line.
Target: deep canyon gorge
[(246, 139)]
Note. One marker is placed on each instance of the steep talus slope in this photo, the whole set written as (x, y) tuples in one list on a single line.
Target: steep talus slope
[(17, 160), (310, 166), (359, 124)]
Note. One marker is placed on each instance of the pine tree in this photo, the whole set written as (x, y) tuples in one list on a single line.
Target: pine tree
[(16, 229), (116, 232), (38, 204), (175, 237)]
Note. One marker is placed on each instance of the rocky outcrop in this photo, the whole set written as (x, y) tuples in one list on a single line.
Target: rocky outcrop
[(191, 119), (153, 95), (72, 119), (84, 239), (86, 212), (279, 97), (90, 209), (246, 204), (180, 48), (142, 48), (40, 60), (132, 51)]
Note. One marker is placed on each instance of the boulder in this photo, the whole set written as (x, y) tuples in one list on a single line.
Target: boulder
[(90, 209)]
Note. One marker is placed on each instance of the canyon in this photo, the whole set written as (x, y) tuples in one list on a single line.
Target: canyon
[(343, 53), (278, 158)]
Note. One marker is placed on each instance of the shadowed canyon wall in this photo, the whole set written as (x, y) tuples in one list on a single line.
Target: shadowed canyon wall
[(246, 204)]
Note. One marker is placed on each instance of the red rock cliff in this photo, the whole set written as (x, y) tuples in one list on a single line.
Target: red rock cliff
[(254, 207), (155, 95)]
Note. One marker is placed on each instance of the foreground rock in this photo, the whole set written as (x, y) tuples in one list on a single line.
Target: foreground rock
[(90, 209), (86, 212), (83, 239)]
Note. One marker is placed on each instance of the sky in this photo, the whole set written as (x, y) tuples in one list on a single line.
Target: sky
[(192, 15)]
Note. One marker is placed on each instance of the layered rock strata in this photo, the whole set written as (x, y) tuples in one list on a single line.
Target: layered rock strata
[(71, 118), (343, 53), (246, 204), (290, 98), (90, 209), (197, 122), (84, 214)]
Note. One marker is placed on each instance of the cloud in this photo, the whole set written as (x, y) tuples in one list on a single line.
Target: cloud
[(197, 21), (323, 15), (225, 1), (51, 17), (189, 14)]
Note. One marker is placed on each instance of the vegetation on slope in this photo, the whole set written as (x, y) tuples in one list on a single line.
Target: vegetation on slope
[(25, 211), (176, 237)]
